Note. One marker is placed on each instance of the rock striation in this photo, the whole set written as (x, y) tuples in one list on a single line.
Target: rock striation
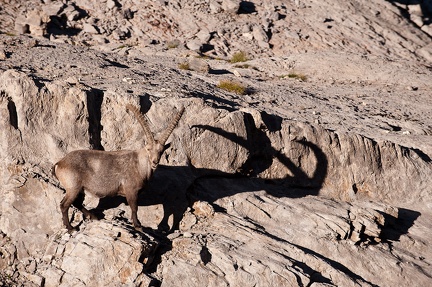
[(317, 174), (221, 28), (241, 197)]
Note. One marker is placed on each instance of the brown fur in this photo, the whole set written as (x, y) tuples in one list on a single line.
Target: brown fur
[(110, 173)]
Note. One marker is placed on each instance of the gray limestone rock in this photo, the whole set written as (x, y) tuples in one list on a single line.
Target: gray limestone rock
[(241, 196)]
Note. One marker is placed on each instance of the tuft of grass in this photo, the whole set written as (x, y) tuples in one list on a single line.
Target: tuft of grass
[(293, 75), (202, 56), (173, 44), (239, 57), (233, 87), (184, 66)]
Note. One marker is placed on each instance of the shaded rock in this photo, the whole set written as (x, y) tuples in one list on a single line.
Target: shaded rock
[(194, 44), (203, 209), (53, 8), (260, 36), (199, 65), (215, 6), (3, 55), (103, 252), (426, 52), (21, 25), (231, 6), (89, 28), (203, 35), (187, 221), (266, 195)]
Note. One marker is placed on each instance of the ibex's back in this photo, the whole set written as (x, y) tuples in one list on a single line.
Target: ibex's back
[(103, 173), (110, 173)]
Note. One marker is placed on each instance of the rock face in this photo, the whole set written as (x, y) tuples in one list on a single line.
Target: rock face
[(247, 198), (319, 174), (106, 253), (401, 29)]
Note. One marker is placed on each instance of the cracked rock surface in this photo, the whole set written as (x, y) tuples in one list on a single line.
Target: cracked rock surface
[(319, 175)]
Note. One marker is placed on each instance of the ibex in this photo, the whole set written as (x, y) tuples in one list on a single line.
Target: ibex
[(111, 173)]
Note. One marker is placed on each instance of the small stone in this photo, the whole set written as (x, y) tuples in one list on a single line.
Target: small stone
[(127, 14), (3, 55), (194, 45), (236, 73), (110, 4), (52, 276), (173, 236), (89, 28), (187, 221), (129, 80), (73, 15), (426, 52), (203, 209), (248, 36), (203, 35), (32, 43), (47, 258), (53, 8), (231, 6), (427, 29), (215, 7), (199, 65), (260, 36), (72, 80), (36, 279), (34, 18), (21, 25)]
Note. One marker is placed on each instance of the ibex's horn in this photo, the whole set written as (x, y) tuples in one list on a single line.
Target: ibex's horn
[(164, 137), (148, 134)]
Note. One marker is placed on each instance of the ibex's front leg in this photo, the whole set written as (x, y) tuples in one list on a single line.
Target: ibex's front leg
[(132, 199)]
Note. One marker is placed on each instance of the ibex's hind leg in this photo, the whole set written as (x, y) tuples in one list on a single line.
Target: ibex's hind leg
[(78, 203), (132, 200), (64, 207)]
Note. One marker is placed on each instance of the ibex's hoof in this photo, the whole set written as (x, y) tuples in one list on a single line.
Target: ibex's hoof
[(93, 217), (139, 228), (72, 230)]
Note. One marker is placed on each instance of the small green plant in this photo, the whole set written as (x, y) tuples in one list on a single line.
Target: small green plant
[(202, 56), (239, 57), (184, 66), (293, 75), (122, 47), (173, 44), (233, 87)]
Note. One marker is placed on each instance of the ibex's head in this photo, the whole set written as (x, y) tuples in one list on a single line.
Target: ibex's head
[(154, 147), (155, 152)]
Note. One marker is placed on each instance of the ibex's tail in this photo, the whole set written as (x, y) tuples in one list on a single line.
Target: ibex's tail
[(144, 124), (53, 171), (171, 127)]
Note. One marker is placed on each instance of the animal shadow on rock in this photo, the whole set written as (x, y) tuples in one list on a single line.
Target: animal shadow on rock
[(425, 6), (177, 187)]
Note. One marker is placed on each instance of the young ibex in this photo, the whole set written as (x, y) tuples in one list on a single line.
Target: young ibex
[(111, 173)]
